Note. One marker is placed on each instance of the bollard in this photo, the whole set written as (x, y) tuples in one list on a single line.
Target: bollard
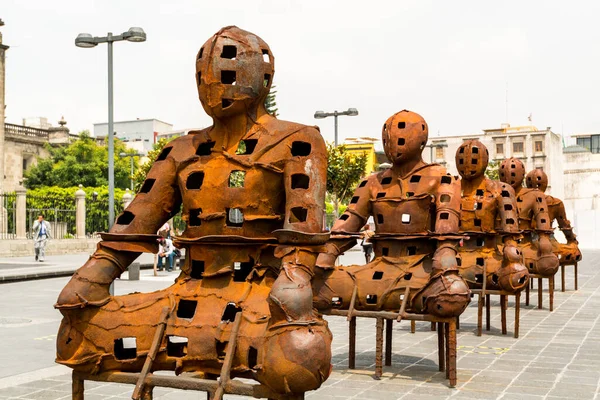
[(134, 271)]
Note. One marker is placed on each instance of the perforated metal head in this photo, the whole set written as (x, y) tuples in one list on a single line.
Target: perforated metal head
[(471, 159), (537, 179), (234, 72), (512, 171), (404, 136)]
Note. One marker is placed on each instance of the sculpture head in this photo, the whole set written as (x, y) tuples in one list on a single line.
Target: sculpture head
[(404, 136), (234, 72), (512, 171), (537, 179), (471, 159)]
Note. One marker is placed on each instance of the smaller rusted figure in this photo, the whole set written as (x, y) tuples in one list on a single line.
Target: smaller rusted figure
[(567, 253), (534, 220), (416, 211), (488, 213)]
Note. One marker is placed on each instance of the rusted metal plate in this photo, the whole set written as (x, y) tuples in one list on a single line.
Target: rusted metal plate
[(251, 189), (416, 209)]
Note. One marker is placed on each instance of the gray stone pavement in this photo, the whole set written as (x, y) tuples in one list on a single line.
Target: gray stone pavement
[(556, 357)]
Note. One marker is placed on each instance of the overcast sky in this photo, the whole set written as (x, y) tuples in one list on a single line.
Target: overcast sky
[(450, 61)]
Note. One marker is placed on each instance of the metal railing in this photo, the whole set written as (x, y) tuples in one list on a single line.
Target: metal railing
[(8, 215), (96, 218)]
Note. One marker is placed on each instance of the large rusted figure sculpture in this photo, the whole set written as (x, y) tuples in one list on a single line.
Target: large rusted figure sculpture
[(567, 253), (534, 220), (416, 211), (488, 211), (252, 189)]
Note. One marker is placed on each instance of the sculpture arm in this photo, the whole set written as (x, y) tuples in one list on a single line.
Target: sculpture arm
[(560, 214), (447, 205)]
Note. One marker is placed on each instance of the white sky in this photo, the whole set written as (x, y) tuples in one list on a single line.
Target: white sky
[(450, 61)]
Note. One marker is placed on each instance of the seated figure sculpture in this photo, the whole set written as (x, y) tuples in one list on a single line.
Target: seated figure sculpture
[(415, 207), (534, 221), (488, 212), (568, 253), (252, 189)]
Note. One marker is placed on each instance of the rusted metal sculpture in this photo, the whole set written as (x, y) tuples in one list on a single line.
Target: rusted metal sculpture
[(416, 211), (252, 189), (534, 220), (567, 253), (488, 212)]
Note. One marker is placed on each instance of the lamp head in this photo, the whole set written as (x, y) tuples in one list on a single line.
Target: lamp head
[(353, 112), (85, 40), (320, 114), (135, 34)]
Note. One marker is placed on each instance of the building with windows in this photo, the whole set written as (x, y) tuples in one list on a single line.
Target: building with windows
[(364, 145), (589, 141), (534, 147), (138, 134)]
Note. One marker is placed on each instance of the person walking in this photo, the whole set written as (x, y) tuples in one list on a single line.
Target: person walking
[(166, 251), (41, 234), (367, 246)]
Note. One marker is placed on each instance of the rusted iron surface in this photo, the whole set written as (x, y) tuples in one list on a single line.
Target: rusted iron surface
[(534, 220), (568, 253), (415, 207), (489, 220), (251, 188)]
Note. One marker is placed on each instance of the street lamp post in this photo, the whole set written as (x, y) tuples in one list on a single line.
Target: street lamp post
[(85, 40), (352, 112), (131, 155)]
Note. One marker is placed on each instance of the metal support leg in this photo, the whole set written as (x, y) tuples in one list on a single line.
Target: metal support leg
[(441, 347), (77, 386), (388, 341), (379, 348), (447, 346), (147, 392), (517, 313), (413, 326), (487, 312), (551, 292), (503, 304), (540, 288), (527, 294), (433, 327), (480, 301), (451, 345), (575, 276), (352, 344), (562, 278)]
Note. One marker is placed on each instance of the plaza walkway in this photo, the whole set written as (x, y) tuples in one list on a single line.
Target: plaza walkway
[(557, 355)]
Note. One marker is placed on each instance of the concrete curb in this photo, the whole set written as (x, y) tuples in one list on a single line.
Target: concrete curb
[(28, 276)]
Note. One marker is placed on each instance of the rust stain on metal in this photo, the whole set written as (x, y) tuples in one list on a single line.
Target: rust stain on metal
[(416, 210), (488, 217), (251, 189), (567, 253), (534, 220)]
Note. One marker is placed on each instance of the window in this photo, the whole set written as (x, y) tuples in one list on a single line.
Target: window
[(585, 142), (518, 147), (439, 153), (592, 143), (595, 144), (499, 149), (538, 146)]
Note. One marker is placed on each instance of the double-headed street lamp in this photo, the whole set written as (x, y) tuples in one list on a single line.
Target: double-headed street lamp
[(131, 155), (352, 112), (86, 40)]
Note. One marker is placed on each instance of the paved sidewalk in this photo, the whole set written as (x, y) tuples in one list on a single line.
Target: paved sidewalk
[(556, 357)]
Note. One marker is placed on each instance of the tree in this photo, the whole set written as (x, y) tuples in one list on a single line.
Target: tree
[(270, 103), (142, 171), (344, 170), (83, 161), (492, 170)]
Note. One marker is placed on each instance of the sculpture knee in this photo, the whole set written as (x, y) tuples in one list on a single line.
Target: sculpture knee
[(296, 359), (291, 295)]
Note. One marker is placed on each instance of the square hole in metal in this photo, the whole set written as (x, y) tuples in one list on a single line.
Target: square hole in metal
[(411, 250), (235, 217), (371, 299), (300, 181), (385, 251), (229, 52), (298, 214), (197, 269), (194, 180), (186, 309), (228, 77), (230, 312), (241, 270), (385, 181), (194, 217), (336, 301), (125, 348), (236, 179), (177, 346), (377, 275), (204, 149), (405, 218)]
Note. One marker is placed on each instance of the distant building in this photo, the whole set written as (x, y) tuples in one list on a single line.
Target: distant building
[(582, 173), (364, 145), (37, 122), (535, 148), (138, 134)]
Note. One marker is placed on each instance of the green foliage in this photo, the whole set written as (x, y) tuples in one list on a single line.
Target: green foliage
[(492, 170), (270, 103), (142, 171), (58, 205), (83, 161), (344, 170)]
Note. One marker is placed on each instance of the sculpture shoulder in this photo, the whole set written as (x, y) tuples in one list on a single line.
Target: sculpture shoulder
[(183, 147), (433, 170), (302, 140), (497, 187), (553, 201)]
